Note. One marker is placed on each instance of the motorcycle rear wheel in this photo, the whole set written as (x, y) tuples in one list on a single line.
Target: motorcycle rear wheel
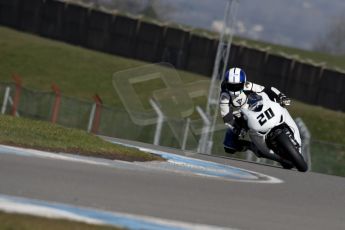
[(289, 149)]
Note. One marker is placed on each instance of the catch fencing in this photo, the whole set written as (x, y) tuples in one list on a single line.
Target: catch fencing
[(91, 116), (116, 122)]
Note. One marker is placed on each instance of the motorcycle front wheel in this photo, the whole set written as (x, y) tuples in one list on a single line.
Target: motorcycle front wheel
[(289, 149)]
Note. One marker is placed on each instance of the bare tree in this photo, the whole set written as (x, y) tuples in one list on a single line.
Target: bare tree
[(334, 39)]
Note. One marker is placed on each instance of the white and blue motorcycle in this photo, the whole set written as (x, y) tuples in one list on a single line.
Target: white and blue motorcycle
[(273, 132)]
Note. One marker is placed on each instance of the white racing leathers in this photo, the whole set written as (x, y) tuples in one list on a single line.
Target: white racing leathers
[(231, 103)]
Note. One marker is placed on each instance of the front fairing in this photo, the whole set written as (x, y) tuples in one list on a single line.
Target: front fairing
[(267, 118), (259, 141)]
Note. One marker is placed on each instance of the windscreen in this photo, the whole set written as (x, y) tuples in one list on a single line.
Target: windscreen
[(255, 102)]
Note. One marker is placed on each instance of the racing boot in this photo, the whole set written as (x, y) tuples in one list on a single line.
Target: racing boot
[(240, 146)]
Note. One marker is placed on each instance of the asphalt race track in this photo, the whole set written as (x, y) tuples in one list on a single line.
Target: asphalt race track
[(301, 201)]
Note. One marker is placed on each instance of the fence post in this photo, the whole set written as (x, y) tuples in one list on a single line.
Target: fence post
[(97, 114), (185, 135), (56, 106), (92, 116), (205, 145), (6, 98), (18, 82), (160, 121)]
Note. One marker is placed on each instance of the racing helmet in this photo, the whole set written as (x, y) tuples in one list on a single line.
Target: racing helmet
[(235, 78)]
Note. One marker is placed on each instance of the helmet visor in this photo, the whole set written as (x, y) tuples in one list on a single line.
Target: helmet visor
[(235, 87)]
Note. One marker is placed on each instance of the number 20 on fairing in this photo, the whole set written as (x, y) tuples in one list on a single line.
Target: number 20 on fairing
[(265, 116)]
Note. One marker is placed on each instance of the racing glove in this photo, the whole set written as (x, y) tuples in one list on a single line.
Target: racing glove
[(237, 129), (284, 100), (241, 132)]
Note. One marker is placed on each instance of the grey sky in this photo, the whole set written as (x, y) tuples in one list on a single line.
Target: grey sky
[(295, 23)]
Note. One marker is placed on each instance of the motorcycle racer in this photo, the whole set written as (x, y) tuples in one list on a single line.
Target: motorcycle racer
[(234, 95)]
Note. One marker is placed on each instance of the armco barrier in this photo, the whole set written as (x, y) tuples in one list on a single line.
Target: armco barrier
[(122, 36), (9, 11), (29, 15), (51, 16), (252, 60), (276, 71), (174, 46), (175, 38), (97, 30), (73, 24), (303, 82), (235, 55), (201, 54), (331, 90), (147, 41)]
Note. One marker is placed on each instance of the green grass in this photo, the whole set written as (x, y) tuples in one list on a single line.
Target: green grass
[(26, 222), (323, 124), (46, 136), (327, 158), (78, 72)]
